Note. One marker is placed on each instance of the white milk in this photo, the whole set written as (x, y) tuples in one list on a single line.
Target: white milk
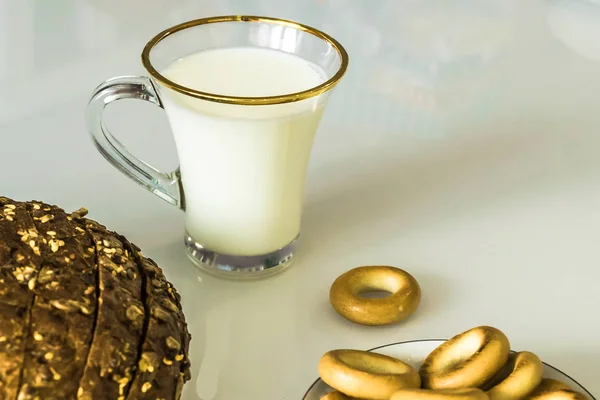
[(243, 167)]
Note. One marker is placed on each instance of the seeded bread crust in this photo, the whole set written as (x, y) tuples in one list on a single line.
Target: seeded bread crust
[(63, 313), (114, 353), (19, 264), (163, 365), (82, 313)]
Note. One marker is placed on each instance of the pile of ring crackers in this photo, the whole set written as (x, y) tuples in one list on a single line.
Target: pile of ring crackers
[(477, 364)]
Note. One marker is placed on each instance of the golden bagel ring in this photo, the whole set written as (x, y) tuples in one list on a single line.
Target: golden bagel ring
[(519, 377), (550, 385), (468, 360), (365, 374), (551, 389), (404, 299), (443, 394), (335, 396)]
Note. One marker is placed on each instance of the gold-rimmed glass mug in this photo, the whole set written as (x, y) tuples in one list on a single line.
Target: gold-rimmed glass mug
[(244, 96)]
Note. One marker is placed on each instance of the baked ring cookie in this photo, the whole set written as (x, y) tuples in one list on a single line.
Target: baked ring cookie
[(443, 394), (365, 374), (335, 396), (345, 295), (519, 377), (551, 389), (550, 385), (468, 360)]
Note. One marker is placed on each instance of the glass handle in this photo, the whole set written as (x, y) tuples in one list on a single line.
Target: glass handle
[(167, 186)]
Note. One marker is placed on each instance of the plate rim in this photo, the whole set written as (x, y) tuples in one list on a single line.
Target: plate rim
[(445, 340)]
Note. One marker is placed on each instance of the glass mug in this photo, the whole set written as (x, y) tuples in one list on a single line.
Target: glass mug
[(244, 96)]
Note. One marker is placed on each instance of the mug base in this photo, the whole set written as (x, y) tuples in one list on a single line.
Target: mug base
[(240, 267)]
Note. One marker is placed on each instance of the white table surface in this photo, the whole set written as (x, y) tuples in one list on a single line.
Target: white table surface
[(463, 146)]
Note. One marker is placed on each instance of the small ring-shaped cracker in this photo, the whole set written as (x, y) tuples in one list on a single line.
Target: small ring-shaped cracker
[(366, 375), (345, 295), (443, 394), (551, 389), (519, 377), (468, 360), (335, 396)]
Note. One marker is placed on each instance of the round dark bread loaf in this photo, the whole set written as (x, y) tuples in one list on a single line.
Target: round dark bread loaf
[(83, 315)]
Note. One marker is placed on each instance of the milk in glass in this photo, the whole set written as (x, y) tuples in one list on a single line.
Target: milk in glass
[(243, 167)]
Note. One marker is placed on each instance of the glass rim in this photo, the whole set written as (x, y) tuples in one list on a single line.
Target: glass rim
[(237, 100)]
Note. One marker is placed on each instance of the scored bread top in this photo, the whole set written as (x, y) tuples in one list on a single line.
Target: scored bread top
[(82, 313)]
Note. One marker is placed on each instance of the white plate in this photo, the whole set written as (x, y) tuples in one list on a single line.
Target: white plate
[(414, 352)]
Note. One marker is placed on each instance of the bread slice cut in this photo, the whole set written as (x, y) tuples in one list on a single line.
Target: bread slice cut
[(63, 313), (163, 366), (114, 351), (20, 260)]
